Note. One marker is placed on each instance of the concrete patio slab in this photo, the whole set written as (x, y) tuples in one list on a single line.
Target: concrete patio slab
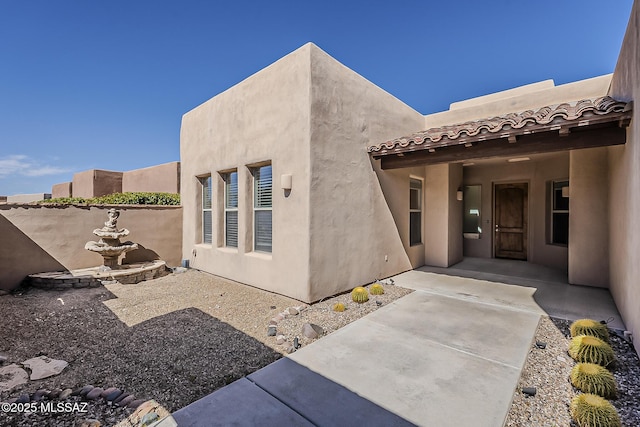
[(241, 403), (319, 400), (432, 359)]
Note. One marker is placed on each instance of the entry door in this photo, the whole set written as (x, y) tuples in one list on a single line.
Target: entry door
[(510, 240)]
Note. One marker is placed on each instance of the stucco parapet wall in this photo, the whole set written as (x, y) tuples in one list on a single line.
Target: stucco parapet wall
[(559, 118), (522, 98)]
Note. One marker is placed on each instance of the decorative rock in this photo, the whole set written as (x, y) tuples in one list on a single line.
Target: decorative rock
[(135, 403), (280, 339), (65, 394), (12, 376), (271, 331), (284, 314), (3, 358), (541, 345), (39, 395), (121, 397), (312, 331), (529, 391), (272, 322), (126, 400), (293, 311), (278, 317), (89, 422), (53, 394), (85, 390), (12, 400), (76, 391), (108, 391), (291, 349), (113, 395), (149, 418), (44, 367), (94, 394), (23, 398)]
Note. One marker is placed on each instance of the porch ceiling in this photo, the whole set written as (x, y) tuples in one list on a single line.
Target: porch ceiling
[(582, 124)]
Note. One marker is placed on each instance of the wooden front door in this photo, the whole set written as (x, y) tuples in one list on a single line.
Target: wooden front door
[(510, 240)]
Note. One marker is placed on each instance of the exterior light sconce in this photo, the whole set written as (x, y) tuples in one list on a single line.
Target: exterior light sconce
[(286, 181), (565, 191), (459, 195)]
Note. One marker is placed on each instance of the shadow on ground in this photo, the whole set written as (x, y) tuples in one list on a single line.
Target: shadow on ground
[(175, 358)]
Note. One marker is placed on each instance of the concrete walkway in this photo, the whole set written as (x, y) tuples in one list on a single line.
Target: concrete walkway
[(449, 354)]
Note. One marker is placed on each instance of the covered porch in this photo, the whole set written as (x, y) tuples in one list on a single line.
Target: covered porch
[(530, 186)]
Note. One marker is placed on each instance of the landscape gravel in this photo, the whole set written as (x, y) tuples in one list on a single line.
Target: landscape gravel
[(182, 336)]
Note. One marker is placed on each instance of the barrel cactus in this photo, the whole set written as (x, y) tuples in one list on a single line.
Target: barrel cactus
[(338, 307), (589, 327), (589, 410), (585, 348), (376, 289), (592, 378), (359, 295)]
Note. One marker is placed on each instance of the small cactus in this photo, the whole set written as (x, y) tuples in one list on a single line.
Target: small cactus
[(592, 378), (589, 410), (589, 327), (376, 289), (339, 307), (584, 348), (359, 295)]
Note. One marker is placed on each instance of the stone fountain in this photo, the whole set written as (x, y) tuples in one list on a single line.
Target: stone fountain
[(109, 245)]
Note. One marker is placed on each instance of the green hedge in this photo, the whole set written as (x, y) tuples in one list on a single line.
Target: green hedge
[(120, 199)]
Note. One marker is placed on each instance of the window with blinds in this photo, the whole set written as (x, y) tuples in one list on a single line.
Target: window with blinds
[(231, 209), (415, 212), (206, 209), (262, 208)]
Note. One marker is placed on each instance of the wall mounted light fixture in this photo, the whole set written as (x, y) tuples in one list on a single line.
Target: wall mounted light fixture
[(459, 194), (286, 181)]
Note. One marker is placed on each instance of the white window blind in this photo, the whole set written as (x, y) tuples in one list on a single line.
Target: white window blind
[(206, 209), (263, 195), (231, 209)]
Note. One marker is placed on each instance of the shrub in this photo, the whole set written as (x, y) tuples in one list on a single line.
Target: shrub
[(376, 289), (359, 295), (589, 327), (589, 410), (592, 378), (141, 198), (585, 348)]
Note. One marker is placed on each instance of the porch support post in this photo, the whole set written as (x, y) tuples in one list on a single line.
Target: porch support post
[(589, 217), (443, 215)]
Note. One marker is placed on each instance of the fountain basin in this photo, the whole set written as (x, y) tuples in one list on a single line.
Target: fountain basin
[(97, 276)]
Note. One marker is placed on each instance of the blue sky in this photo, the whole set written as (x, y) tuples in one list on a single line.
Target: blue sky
[(103, 84)]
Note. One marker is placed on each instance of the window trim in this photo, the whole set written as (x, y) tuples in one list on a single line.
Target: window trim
[(206, 181), (419, 181), (226, 209), (254, 169), (553, 211)]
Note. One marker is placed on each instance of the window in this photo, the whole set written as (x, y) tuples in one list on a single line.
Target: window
[(262, 208), (559, 212), (471, 196), (231, 209), (206, 208), (415, 212)]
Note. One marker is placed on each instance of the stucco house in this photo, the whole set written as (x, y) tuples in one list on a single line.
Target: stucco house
[(306, 179)]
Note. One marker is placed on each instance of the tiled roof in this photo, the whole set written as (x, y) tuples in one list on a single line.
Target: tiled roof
[(560, 118)]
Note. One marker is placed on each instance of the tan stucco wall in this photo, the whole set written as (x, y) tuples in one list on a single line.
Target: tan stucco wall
[(537, 172), (164, 178), (588, 217), (353, 234), (263, 118), (95, 183), (313, 118), (49, 238), (61, 190), (624, 186)]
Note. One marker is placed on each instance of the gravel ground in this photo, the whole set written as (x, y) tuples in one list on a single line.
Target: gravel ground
[(180, 337), (548, 370)]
